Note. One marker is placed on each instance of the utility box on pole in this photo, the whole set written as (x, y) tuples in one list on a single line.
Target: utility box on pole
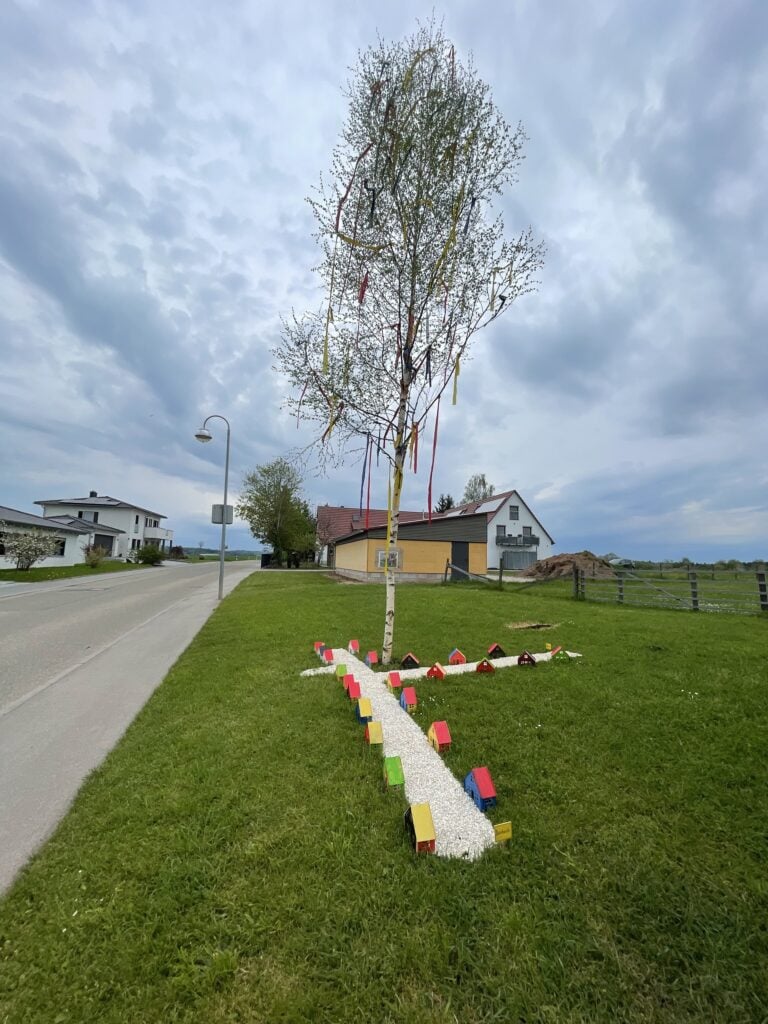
[(217, 514)]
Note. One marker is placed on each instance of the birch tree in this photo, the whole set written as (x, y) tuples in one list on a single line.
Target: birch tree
[(414, 259)]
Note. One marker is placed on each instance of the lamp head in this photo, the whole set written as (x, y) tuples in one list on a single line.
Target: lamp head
[(203, 435)]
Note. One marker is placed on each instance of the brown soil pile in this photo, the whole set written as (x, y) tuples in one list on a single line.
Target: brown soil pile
[(562, 565)]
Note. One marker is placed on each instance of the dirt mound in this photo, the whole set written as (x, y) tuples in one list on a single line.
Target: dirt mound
[(562, 565)]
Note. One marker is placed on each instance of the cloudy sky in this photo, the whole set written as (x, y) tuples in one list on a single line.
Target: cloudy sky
[(153, 231)]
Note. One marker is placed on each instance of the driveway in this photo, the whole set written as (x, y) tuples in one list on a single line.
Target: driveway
[(78, 660)]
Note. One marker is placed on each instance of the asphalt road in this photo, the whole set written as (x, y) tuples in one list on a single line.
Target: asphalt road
[(78, 660)]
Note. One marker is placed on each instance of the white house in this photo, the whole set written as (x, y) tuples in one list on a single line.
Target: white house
[(514, 535), (118, 526), (71, 537)]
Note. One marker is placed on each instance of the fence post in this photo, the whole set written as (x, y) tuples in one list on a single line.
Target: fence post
[(694, 591), (501, 572), (576, 583), (620, 582), (762, 590), (447, 567)]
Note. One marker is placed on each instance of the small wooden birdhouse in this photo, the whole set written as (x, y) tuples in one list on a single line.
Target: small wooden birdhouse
[(479, 785), (393, 772), (485, 666), (341, 671), (320, 651), (353, 690), (560, 655), (364, 711), (456, 657), (495, 651), (408, 700), (318, 645), (353, 646), (410, 661), (393, 682), (436, 671), (420, 827), (439, 736), (328, 655), (347, 679), (526, 658), (553, 650), (374, 736), (371, 659)]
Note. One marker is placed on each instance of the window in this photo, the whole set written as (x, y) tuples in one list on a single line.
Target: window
[(527, 531), (394, 559), (135, 544), (80, 514), (514, 511), (2, 548), (59, 552), (501, 531), (137, 520)]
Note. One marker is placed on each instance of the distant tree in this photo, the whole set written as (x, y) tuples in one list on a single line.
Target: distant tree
[(444, 502), (477, 489), (414, 259), (25, 547), (271, 504)]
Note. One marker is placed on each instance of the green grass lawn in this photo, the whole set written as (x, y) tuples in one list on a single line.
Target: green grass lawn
[(236, 859), (63, 572)]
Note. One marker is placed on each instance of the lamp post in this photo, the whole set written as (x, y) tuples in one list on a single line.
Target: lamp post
[(204, 435)]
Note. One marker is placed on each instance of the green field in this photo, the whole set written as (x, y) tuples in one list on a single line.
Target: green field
[(236, 859)]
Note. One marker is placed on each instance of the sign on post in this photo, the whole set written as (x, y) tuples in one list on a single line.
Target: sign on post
[(217, 514)]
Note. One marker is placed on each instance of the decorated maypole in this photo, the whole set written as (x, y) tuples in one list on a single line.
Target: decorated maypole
[(414, 263)]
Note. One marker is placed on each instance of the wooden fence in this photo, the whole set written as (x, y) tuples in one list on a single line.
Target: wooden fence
[(744, 593)]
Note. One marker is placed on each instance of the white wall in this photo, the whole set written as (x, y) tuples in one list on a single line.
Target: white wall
[(119, 518), (514, 527), (73, 554)]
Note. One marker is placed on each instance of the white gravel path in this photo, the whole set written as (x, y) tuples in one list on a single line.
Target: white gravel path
[(461, 830)]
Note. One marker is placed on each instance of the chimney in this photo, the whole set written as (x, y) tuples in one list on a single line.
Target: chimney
[(93, 494)]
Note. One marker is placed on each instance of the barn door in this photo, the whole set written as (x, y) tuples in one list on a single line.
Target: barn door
[(459, 558)]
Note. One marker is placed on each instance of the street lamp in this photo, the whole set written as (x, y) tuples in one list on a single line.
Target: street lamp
[(204, 435)]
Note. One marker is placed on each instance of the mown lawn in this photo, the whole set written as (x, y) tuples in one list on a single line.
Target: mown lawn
[(236, 859), (63, 572)]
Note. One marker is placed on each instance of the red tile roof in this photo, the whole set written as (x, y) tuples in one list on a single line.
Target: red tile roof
[(485, 786), (337, 521)]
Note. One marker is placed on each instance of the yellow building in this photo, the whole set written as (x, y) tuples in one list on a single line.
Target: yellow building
[(422, 552)]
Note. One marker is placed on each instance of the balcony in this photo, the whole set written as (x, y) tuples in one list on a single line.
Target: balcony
[(155, 533), (520, 540)]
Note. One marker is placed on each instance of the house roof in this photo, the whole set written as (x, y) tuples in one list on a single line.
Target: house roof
[(84, 525), (483, 782), (334, 521), (489, 507), (99, 501), (441, 732), (13, 515)]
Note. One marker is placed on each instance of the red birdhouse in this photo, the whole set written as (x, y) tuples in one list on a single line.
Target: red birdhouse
[(408, 700), (354, 647), (479, 784), (328, 655), (353, 690), (436, 671), (410, 661), (439, 736), (347, 679), (526, 658), (371, 659), (318, 645), (456, 657), (495, 651), (393, 681), (485, 666)]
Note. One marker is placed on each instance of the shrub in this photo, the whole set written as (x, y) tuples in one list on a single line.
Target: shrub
[(149, 554), (94, 555), (28, 546), (177, 552)]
